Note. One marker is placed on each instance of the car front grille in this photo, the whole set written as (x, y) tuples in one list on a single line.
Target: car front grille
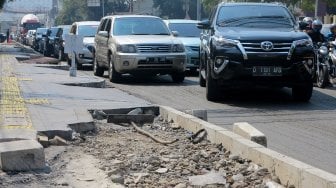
[(255, 47), (194, 48), (154, 48)]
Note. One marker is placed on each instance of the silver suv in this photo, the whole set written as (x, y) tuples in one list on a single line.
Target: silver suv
[(139, 45)]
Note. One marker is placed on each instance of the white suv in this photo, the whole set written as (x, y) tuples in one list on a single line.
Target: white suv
[(86, 29), (139, 45)]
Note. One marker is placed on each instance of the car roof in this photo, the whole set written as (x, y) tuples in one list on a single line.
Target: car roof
[(130, 16), (87, 23), (251, 4), (180, 21)]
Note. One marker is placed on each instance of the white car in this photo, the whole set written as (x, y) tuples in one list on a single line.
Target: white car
[(86, 29)]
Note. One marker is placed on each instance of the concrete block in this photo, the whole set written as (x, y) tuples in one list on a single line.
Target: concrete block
[(249, 132), (202, 114), (314, 177), (209, 127), (226, 138), (43, 140), (23, 155), (287, 169)]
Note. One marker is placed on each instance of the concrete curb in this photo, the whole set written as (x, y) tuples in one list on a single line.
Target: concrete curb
[(289, 170)]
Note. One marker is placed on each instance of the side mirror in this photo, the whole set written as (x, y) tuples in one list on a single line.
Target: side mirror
[(175, 33), (204, 24), (103, 33)]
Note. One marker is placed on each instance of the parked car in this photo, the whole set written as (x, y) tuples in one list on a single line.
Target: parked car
[(38, 42), (189, 34), (50, 39), (30, 37), (260, 46), (2, 37), (86, 29), (139, 45), (60, 42)]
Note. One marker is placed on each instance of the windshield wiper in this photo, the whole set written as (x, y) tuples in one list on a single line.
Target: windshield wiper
[(140, 34), (161, 34)]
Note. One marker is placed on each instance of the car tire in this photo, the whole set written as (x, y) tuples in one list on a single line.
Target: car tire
[(211, 86), (322, 77), (178, 77), (302, 93), (202, 81), (114, 76), (97, 70)]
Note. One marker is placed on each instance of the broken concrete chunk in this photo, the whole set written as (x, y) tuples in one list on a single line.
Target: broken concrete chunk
[(136, 111), (211, 178), (44, 140), (99, 115), (58, 141), (21, 155)]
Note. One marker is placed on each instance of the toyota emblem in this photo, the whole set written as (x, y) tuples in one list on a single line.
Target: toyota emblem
[(266, 46)]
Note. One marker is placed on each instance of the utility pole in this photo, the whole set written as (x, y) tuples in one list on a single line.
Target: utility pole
[(316, 7), (199, 16)]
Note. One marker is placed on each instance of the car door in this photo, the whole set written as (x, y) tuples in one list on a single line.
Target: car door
[(99, 41), (105, 42)]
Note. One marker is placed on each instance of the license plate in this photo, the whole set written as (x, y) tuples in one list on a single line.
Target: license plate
[(156, 59), (266, 71)]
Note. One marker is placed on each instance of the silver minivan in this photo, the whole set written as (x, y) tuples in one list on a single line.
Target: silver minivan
[(139, 45)]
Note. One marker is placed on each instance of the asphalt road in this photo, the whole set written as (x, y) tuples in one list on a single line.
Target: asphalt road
[(304, 131)]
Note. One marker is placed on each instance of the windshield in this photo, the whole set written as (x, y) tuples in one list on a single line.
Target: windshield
[(87, 30), (253, 15), (185, 29), (140, 26), (40, 31), (54, 31), (65, 31)]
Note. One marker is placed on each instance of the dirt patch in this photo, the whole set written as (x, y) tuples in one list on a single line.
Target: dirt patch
[(119, 156)]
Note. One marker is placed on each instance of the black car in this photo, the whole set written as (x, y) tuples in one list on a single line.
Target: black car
[(254, 44), (38, 41), (60, 41), (49, 40)]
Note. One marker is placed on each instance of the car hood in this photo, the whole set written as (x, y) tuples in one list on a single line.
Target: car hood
[(88, 40), (190, 41), (146, 39), (249, 34)]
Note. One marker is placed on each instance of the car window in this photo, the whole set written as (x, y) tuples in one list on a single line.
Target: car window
[(252, 15), (102, 25), (108, 25), (87, 30), (139, 26), (185, 29)]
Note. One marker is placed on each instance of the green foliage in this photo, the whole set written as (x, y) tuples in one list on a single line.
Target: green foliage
[(2, 2), (170, 9), (72, 12)]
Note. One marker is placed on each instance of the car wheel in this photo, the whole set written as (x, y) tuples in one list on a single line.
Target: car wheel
[(60, 55), (202, 81), (302, 93), (97, 70), (211, 86), (322, 77), (178, 77), (114, 76)]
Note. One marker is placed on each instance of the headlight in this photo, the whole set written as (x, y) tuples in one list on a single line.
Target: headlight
[(323, 50), (228, 43), (303, 43), (126, 48), (178, 48)]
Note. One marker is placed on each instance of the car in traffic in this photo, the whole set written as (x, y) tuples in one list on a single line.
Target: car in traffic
[(189, 34), (260, 46), (50, 39), (60, 42), (41, 32), (30, 37), (139, 45), (87, 30)]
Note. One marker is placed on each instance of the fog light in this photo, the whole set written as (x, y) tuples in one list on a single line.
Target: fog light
[(220, 64), (81, 55), (125, 63), (310, 62)]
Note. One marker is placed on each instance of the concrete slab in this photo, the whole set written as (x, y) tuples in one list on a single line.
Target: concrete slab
[(247, 131), (23, 155)]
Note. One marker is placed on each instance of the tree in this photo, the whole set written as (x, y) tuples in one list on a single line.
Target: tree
[(170, 9), (72, 12), (2, 2)]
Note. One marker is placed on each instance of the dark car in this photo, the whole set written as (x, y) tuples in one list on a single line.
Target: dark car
[(50, 39), (260, 46), (38, 42), (60, 41), (2, 37)]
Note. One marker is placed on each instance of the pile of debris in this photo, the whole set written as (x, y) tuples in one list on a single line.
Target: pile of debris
[(161, 154)]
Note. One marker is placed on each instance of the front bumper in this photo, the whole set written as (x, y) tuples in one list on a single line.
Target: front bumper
[(192, 60), (238, 69), (156, 63)]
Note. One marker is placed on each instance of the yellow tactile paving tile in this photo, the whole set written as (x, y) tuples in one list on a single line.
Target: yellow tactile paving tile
[(14, 113)]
